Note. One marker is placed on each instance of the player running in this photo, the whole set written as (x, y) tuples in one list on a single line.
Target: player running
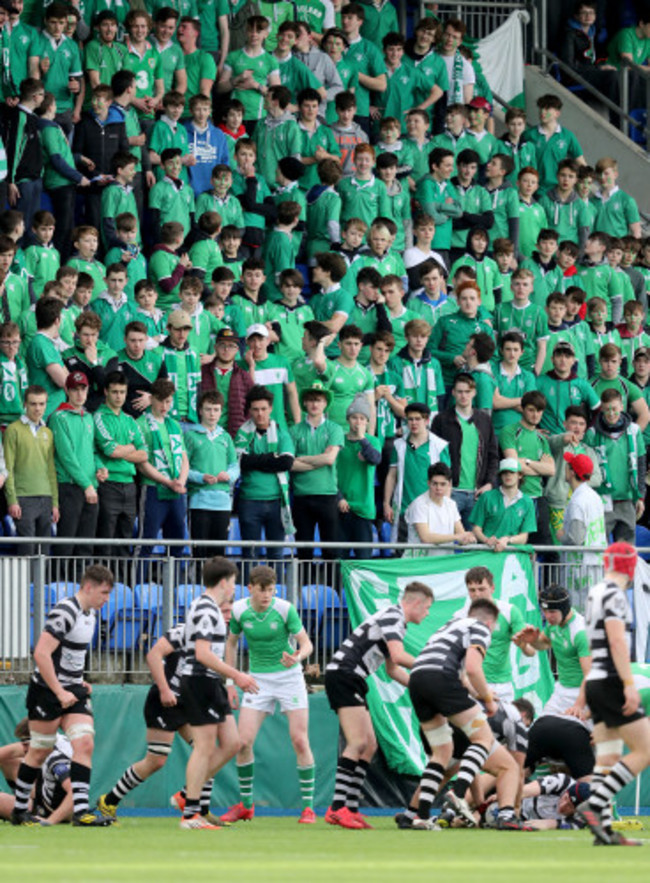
[(612, 696), (58, 696), (270, 623), (214, 732), (378, 639)]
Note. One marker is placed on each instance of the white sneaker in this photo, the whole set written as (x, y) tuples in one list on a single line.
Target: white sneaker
[(461, 807), (419, 824)]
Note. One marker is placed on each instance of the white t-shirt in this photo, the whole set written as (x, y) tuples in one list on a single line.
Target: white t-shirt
[(584, 523), (438, 518)]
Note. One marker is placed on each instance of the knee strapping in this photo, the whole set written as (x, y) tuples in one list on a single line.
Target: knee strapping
[(612, 746), (42, 740), (159, 749), (78, 731), (476, 722), (438, 736)]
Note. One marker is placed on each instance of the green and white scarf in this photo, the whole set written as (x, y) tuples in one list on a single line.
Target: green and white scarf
[(193, 376), (159, 458), (456, 85), (412, 378), (248, 430), (632, 461)]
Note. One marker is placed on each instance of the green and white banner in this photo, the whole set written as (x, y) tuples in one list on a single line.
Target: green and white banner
[(376, 583)]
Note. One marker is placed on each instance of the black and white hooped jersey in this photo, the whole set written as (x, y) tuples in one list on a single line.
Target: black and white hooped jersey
[(73, 628), (545, 806), (55, 771), (445, 650), (605, 602), (508, 727), (366, 648), (204, 622), (173, 663)]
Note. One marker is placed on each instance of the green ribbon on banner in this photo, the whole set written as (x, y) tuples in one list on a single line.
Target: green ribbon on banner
[(376, 583)]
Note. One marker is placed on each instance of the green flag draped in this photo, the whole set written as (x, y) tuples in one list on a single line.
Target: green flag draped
[(376, 583)]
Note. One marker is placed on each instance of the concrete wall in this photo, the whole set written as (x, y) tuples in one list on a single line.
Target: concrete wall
[(597, 137)]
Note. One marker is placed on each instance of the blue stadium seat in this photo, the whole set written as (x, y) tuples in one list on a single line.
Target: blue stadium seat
[(241, 592), (185, 594), (149, 600)]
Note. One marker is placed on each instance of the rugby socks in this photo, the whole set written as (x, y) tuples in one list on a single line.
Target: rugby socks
[(206, 797), (245, 774), (354, 792), (129, 780), (80, 781), (472, 761), (192, 808), (25, 779), (429, 785), (610, 785), (345, 776), (307, 779), (597, 780)]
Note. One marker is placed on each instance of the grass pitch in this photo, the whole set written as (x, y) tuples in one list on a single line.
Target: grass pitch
[(273, 849)]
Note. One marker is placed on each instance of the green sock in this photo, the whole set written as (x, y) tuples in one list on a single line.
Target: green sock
[(307, 777), (245, 773)]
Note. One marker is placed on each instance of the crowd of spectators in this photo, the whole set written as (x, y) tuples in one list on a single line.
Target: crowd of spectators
[(288, 263)]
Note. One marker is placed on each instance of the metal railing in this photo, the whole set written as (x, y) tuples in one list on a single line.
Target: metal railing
[(484, 17), (151, 594), (627, 74)]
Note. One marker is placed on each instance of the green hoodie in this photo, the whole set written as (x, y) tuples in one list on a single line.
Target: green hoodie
[(74, 446)]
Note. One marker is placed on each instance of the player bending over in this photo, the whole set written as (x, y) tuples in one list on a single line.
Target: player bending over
[(379, 639)]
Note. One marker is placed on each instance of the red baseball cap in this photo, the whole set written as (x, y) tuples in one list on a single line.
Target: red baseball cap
[(75, 380), (581, 464)]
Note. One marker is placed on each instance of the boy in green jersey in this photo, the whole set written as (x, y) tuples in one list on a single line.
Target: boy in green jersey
[(200, 337), (393, 291), (380, 255), (478, 354), (274, 373), (504, 199), (143, 60), (171, 199), (440, 199), (476, 135), (317, 441), (61, 66), (14, 297), (620, 448), (13, 375), (475, 202), (512, 381), (277, 135), (166, 268), (532, 217), (147, 313), (220, 199), (279, 251), (504, 255), (417, 127), (277, 643), (42, 259), (609, 377), (617, 213), (596, 276), (73, 432), (85, 240), (118, 197), (114, 308), (552, 142), (562, 388), (183, 366), (168, 131), (399, 198), (103, 56), (170, 54), (513, 144), (324, 209), (248, 72), (527, 318), (252, 187), (205, 253), (390, 398), (128, 251), (600, 330), (419, 371), (356, 467), (366, 57), (44, 363), (91, 357), (453, 137), (487, 275), (452, 332), (349, 379), (317, 140), (632, 331), (547, 276), (504, 516), (362, 195), (565, 211), (289, 315)]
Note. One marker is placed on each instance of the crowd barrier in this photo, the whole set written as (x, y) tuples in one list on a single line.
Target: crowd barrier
[(152, 594)]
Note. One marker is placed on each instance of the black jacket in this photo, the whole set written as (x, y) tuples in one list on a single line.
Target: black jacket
[(447, 425), (99, 142), (21, 135)]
